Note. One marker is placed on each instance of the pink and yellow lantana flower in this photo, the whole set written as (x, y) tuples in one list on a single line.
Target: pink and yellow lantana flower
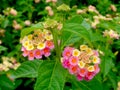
[(37, 44), (83, 63)]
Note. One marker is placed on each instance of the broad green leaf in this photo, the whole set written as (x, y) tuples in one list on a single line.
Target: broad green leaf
[(76, 19), (51, 76), (6, 83), (69, 38), (107, 62), (96, 37), (30, 29), (86, 25), (94, 84), (117, 27), (2, 48), (5, 23), (28, 69), (79, 30), (112, 77), (117, 44)]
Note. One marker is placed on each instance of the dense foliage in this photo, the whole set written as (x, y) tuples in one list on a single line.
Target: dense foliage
[(59, 45)]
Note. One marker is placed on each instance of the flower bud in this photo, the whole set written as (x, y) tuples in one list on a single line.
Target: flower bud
[(113, 8), (27, 23), (0, 41), (79, 11), (2, 32), (17, 26), (36, 1), (54, 1), (48, 8), (50, 13), (13, 12), (47, 1)]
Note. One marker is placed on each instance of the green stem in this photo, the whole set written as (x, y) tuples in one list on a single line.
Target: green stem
[(57, 47)]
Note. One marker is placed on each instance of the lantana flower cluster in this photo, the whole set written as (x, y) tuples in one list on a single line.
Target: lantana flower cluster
[(83, 63), (8, 63), (111, 33), (37, 44)]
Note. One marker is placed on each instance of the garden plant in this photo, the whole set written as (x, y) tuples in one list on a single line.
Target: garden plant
[(59, 45)]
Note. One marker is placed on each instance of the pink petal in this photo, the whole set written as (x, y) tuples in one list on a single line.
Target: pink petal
[(46, 52), (80, 78), (73, 69), (38, 53), (49, 44), (66, 63), (82, 72), (97, 69), (73, 60), (89, 76), (31, 55)]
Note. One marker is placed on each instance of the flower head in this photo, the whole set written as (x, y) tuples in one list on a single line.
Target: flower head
[(83, 63), (37, 44)]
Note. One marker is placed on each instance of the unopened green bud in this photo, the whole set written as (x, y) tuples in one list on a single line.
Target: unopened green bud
[(63, 7), (50, 23)]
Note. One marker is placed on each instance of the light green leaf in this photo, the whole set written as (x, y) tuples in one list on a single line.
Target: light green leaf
[(51, 76), (86, 25), (2, 48), (28, 69)]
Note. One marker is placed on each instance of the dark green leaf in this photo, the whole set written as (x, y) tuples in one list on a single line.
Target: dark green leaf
[(94, 84), (28, 69), (79, 30), (112, 77), (6, 83), (51, 76)]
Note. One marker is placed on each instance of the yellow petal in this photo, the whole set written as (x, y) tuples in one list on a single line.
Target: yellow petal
[(83, 47), (30, 47), (95, 60), (48, 37), (30, 37), (41, 46), (76, 52), (91, 68), (26, 43), (81, 64)]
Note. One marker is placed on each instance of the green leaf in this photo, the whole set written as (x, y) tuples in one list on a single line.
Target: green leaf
[(76, 19), (113, 78), (51, 76), (96, 37), (5, 23), (106, 63), (28, 69), (6, 83), (86, 25), (2, 48), (79, 30), (94, 84), (30, 29), (68, 38)]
